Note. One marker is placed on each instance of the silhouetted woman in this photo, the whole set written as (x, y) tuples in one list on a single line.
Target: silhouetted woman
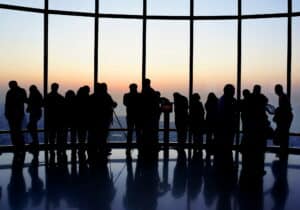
[(70, 116), (197, 120), (211, 120), (34, 108)]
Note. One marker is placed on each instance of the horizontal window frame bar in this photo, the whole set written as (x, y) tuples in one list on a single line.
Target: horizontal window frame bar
[(148, 17)]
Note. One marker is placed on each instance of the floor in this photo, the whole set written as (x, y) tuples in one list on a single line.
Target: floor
[(171, 181)]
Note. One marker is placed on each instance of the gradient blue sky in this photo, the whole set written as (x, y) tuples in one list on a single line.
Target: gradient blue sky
[(120, 43)]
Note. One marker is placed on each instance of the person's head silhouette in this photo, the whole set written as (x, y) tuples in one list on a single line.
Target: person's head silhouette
[(229, 90), (246, 93), (257, 89), (147, 83), (278, 89), (54, 87), (12, 84), (133, 88), (33, 89)]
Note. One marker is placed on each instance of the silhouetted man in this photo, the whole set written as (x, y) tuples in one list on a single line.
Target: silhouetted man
[(283, 119), (14, 112), (83, 119), (181, 116), (54, 103), (132, 101), (227, 119), (256, 136), (101, 115), (150, 113)]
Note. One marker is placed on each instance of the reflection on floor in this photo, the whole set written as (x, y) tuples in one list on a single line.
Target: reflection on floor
[(172, 180)]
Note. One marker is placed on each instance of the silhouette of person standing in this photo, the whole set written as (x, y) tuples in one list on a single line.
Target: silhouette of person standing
[(101, 115), (14, 112), (70, 116), (181, 116), (133, 105), (34, 108), (54, 103), (253, 152), (150, 113), (211, 120), (245, 110), (227, 119), (197, 120), (283, 118), (83, 120)]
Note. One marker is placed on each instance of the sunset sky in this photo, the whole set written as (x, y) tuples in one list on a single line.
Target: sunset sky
[(120, 47)]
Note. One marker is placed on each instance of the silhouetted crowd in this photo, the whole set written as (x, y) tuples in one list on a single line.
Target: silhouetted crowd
[(86, 119)]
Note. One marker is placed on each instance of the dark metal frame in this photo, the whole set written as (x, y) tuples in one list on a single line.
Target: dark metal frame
[(144, 17)]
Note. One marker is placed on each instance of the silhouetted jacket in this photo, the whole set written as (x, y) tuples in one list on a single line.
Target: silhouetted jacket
[(35, 104), (196, 115), (14, 103), (102, 106), (227, 110), (181, 110), (283, 113), (132, 101), (54, 104)]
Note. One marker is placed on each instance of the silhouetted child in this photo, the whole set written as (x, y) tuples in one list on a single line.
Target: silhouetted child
[(283, 118), (14, 112), (181, 116), (196, 120), (34, 108)]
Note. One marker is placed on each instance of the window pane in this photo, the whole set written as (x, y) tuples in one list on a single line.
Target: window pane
[(168, 57), (168, 7), (263, 6), (73, 5), (27, 3), (215, 7), (264, 51), (121, 6), (120, 50), (71, 45), (296, 75), (215, 54), (296, 5), (21, 53)]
